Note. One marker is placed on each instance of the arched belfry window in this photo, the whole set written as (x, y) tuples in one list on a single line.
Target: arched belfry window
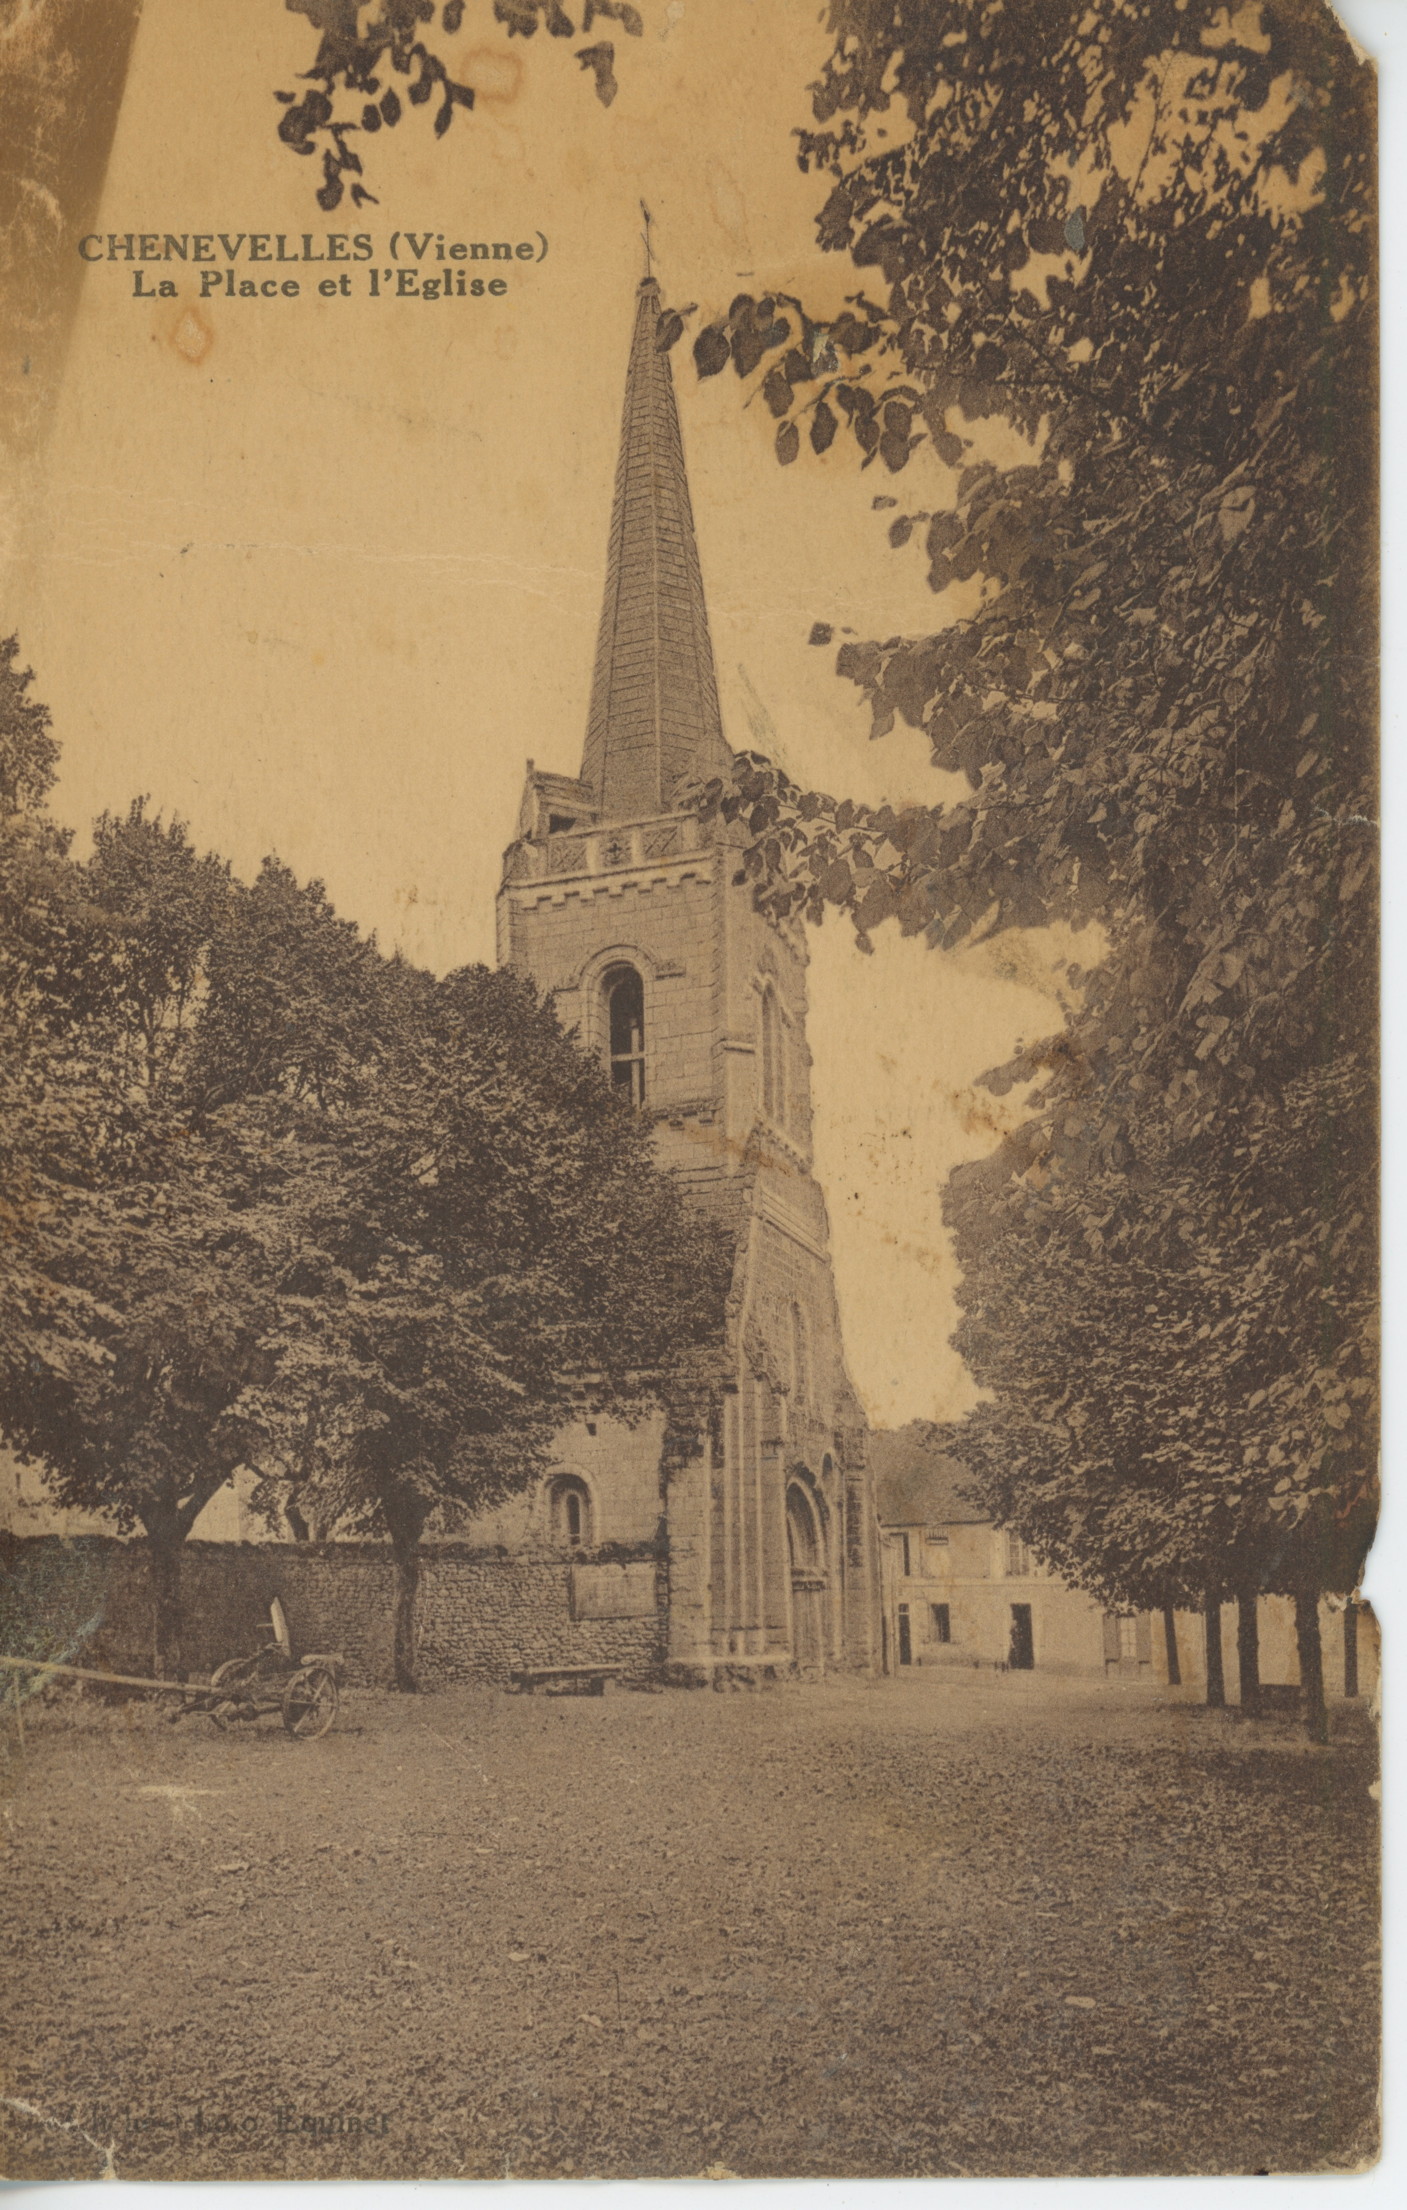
[(774, 1071), (624, 994)]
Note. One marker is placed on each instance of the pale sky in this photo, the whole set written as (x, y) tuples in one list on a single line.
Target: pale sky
[(320, 575)]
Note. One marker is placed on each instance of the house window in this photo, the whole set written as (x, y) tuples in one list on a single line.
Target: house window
[(942, 1623), (569, 1513), (1128, 1641), (1018, 1558), (774, 1073), (904, 1553), (625, 1032)]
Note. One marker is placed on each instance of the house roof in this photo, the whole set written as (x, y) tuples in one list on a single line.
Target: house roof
[(916, 1484)]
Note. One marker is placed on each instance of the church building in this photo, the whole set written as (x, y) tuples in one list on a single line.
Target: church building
[(625, 906)]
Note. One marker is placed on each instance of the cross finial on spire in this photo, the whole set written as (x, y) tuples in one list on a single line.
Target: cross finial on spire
[(645, 234)]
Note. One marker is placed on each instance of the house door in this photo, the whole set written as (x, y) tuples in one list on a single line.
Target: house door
[(1023, 1641), (906, 1647)]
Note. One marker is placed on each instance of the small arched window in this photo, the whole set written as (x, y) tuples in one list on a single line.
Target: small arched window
[(624, 994), (569, 1513), (774, 1069), (800, 1360)]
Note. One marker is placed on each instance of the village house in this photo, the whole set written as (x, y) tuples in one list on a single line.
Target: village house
[(964, 1593), (961, 1591)]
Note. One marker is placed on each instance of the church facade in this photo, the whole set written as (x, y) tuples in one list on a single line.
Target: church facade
[(623, 905)]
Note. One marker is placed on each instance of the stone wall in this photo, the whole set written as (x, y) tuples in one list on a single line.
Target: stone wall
[(88, 1602), (481, 1618)]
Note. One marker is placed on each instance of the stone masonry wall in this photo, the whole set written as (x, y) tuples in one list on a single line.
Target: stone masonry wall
[(479, 1620), (88, 1602)]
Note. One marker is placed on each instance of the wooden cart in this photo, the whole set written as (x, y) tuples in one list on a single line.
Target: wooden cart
[(303, 1691)]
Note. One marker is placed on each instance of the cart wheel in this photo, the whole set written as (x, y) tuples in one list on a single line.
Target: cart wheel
[(310, 1702)]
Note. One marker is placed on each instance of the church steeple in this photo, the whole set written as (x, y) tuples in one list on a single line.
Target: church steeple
[(654, 723), (626, 907)]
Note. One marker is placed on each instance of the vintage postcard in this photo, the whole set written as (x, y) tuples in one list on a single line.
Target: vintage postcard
[(688, 1219)]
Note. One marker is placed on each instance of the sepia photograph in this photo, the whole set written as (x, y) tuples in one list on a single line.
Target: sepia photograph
[(689, 1096)]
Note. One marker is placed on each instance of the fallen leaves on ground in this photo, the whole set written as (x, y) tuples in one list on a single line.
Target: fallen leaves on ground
[(908, 1927)]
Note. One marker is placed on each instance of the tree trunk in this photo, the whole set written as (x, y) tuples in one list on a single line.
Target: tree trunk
[(403, 1632), (165, 1551), (1248, 1650), (405, 1518), (1350, 1648), (1170, 1644), (1311, 1655), (1216, 1679)]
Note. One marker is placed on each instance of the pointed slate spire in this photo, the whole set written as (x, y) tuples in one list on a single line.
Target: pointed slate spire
[(654, 722)]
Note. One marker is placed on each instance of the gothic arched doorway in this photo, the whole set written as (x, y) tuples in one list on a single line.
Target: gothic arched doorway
[(806, 1553)]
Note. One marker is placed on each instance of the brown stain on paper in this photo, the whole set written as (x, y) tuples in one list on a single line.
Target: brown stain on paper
[(191, 337)]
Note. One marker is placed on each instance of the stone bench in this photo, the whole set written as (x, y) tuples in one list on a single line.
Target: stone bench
[(568, 1680)]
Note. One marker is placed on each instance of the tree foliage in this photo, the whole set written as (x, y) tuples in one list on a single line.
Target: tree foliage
[(134, 1295), (276, 1201), (475, 1239), (1182, 1373), (163, 904), (28, 749), (364, 46), (1139, 235)]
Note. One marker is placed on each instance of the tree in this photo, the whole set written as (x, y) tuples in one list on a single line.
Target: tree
[(299, 1004), (171, 1280), (57, 1114), (135, 1284), (473, 1237), (278, 1201), (134, 1309), (476, 1243), (1183, 1408), (164, 903), (28, 748), (1139, 233), (135, 1291)]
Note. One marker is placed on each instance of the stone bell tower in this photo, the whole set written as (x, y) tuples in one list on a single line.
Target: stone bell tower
[(618, 900)]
